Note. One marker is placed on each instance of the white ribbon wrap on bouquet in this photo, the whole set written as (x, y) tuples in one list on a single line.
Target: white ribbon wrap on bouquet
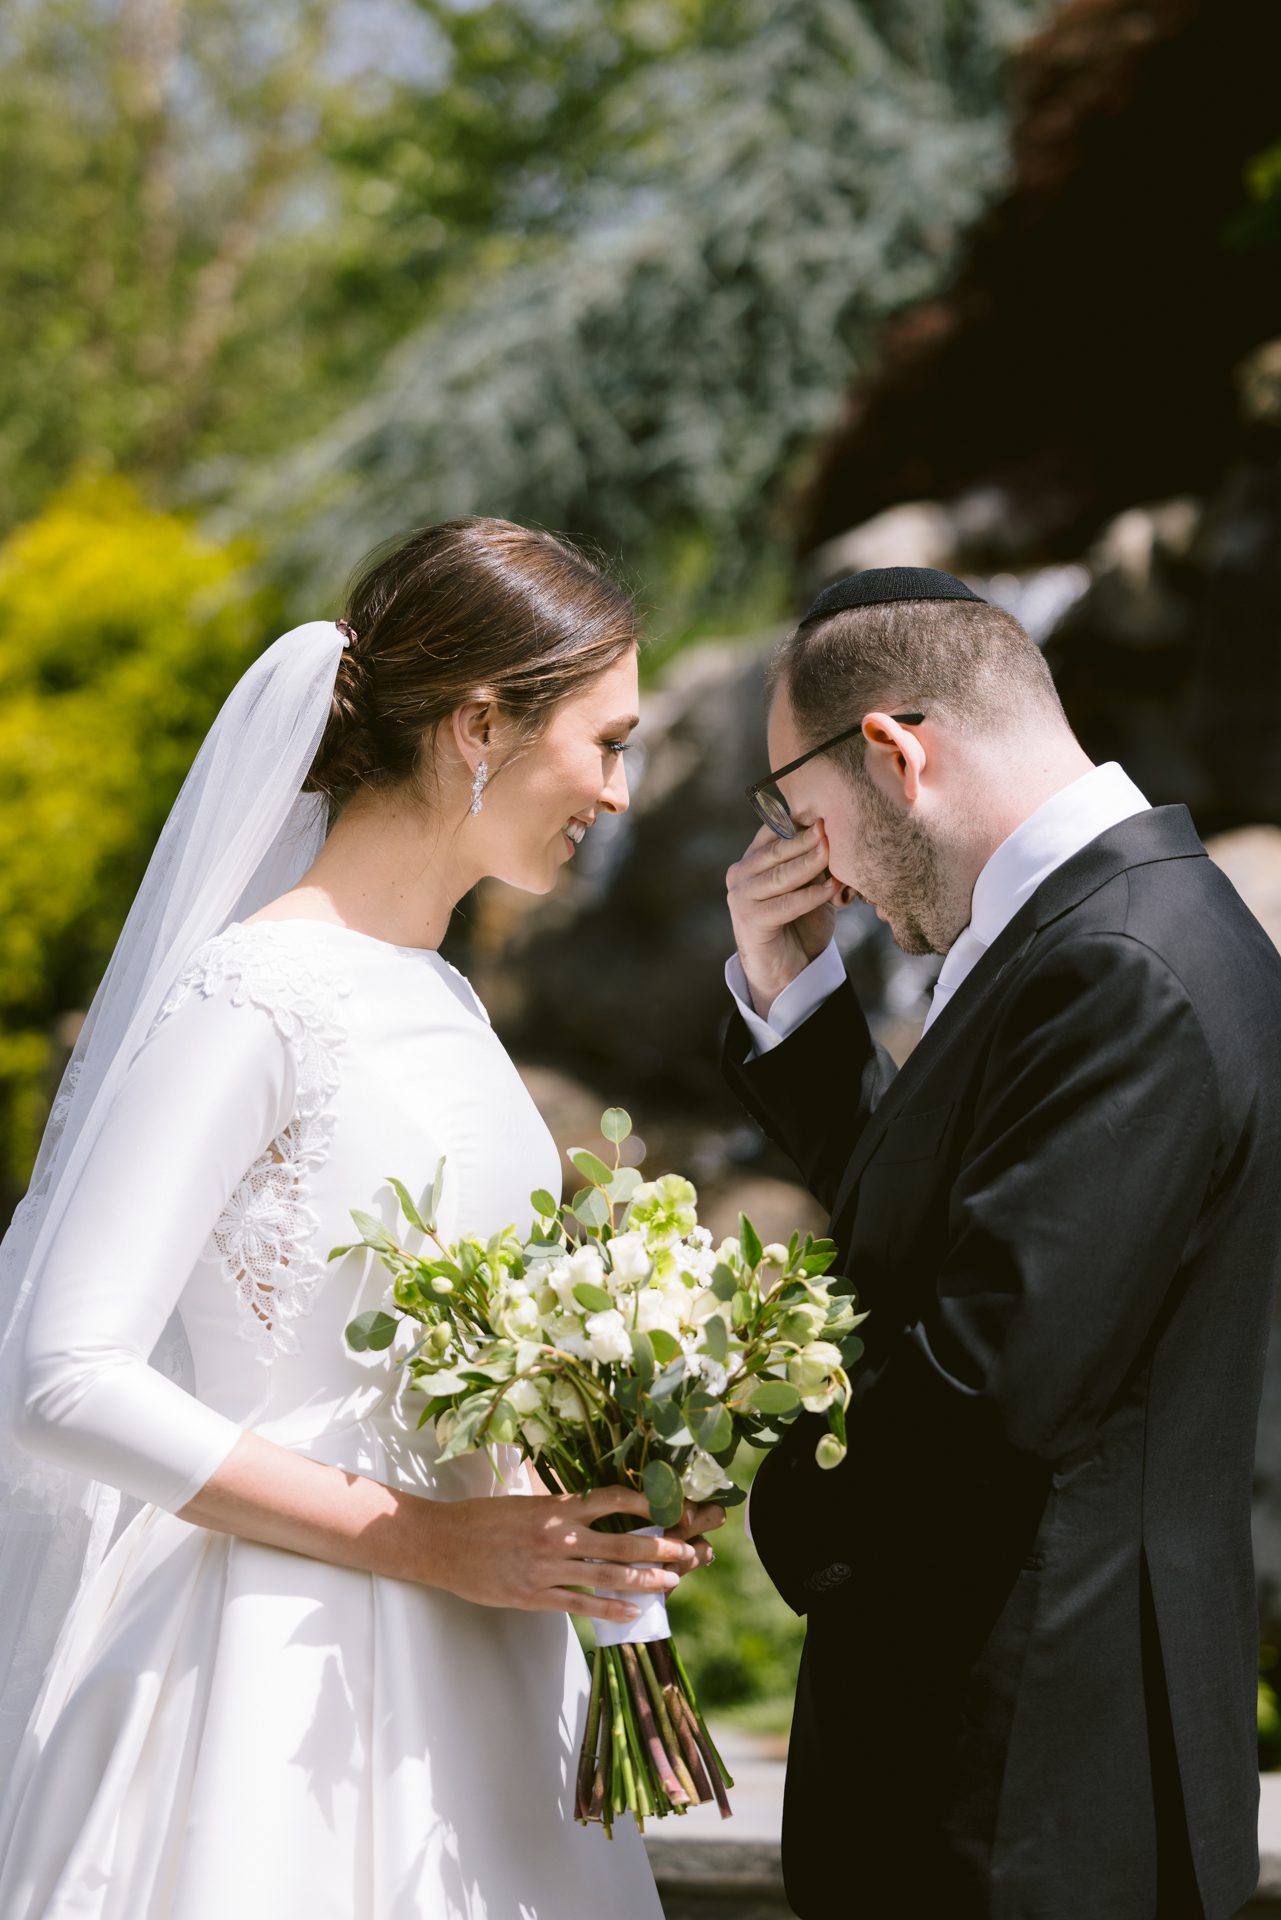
[(651, 1621)]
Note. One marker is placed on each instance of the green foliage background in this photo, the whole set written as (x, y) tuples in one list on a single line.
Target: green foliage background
[(276, 284)]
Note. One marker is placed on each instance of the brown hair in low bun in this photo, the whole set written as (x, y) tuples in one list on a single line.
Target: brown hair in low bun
[(468, 604)]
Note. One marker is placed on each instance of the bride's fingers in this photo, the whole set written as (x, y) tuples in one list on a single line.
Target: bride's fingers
[(634, 1579), (627, 1546), (590, 1606)]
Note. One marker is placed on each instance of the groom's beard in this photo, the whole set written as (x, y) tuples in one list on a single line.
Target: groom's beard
[(907, 875)]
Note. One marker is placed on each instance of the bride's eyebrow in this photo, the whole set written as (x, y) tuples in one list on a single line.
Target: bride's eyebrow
[(625, 725)]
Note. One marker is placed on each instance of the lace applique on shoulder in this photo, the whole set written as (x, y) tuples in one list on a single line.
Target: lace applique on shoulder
[(265, 1235)]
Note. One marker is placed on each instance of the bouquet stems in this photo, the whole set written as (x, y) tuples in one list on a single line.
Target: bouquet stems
[(646, 1749)]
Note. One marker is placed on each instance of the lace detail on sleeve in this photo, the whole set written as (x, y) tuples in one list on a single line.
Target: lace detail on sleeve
[(265, 1236)]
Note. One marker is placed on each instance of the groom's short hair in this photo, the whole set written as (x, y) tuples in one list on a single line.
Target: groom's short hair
[(964, 660)]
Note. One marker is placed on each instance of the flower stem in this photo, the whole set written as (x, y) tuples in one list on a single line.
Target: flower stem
[(624, 1782), (587, 1759), (660, 1756), (670, 1742)]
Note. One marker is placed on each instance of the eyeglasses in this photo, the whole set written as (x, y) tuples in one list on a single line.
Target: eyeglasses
[(773, 809)]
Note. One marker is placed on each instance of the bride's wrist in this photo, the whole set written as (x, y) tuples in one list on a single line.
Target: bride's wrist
[(428, 1554)]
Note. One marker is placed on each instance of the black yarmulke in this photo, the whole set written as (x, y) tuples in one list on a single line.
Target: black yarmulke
[(877, 586)]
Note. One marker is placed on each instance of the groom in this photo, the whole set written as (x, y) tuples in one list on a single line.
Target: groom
[(1028, 1684)]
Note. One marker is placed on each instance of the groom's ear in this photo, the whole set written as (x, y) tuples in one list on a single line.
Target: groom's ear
[(896, 757)]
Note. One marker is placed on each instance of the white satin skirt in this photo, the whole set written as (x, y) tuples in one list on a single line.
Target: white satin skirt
[(232, 1730)]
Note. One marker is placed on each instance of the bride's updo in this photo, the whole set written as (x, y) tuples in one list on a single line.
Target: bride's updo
[(467, 604)]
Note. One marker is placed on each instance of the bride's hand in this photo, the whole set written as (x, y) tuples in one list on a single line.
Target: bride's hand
[(532, 1551)]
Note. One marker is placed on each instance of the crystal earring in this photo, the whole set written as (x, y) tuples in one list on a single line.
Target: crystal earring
[(478, 780)]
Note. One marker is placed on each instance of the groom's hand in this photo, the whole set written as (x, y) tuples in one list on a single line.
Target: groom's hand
[(782, 900)]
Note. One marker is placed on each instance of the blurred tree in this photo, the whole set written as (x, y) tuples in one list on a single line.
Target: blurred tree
[(722, 230), (216, 224), (121, 631)]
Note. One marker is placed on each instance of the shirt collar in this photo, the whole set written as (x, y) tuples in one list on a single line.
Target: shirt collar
[(1060, 827)]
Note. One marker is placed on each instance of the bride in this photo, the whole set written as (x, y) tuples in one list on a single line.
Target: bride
[(259, 1652)]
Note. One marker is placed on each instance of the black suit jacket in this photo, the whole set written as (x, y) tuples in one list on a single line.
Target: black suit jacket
[(1028, 1685)]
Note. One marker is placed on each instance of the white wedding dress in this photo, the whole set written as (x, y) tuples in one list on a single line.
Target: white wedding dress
[(228, 1729)]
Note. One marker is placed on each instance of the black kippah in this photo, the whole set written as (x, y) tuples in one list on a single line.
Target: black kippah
[(877, 586)]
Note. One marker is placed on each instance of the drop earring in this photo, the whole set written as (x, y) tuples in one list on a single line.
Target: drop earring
[(478, 780)]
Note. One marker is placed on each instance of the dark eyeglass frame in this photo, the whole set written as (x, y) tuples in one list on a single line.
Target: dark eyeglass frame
[(789, 831)]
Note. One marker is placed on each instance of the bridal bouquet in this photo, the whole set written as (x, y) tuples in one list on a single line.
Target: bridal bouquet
[(614, 1344)]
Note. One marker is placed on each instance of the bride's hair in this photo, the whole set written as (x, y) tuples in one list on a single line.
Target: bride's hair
[(469, 604)]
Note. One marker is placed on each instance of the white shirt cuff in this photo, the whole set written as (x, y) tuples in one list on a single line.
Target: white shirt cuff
[(798, 1000)]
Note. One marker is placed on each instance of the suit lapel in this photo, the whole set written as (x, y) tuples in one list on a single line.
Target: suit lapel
[(1164, 833)]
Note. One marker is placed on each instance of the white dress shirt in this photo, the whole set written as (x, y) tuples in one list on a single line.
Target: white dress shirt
[(1060, 827)]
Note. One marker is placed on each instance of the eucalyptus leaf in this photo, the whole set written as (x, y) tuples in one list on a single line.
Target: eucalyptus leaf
[(716, 1337), (616, 1124), (593, 1208), (592, 1299), (643, 1357), (542, 1203), (666, 1346), (407, 1206), (741, 1309), (591, 1166), (669, 1379), (372, 1331), (724, 1285), (437, 1192), (623, 1185), (851, 1350), (664, 1416), (663, 1491), (715, 1429), (774, 1396), (372, 1231)]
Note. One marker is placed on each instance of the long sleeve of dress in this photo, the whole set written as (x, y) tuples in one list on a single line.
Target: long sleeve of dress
[(205, 1095)]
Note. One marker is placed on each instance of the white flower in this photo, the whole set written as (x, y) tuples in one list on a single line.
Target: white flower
[(803, 1322), (818, 1376), (703, 1476), (607, 1336), (567, 1403), (586, 1265), (560, 1278), (514, 1311), (701, 1237), (702, 1306), (631, 1261), (701, 1366), (654, 1312), (525, 1396), (536, 1434)]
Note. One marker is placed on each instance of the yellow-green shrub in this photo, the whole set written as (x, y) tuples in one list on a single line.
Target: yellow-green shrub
[(121, 631)]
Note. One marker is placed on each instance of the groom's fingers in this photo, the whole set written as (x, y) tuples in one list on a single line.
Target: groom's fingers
[(698, 1517)]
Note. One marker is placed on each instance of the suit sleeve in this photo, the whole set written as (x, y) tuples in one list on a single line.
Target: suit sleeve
[(205, 1094), (1095, 1140), (814, 1092)]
